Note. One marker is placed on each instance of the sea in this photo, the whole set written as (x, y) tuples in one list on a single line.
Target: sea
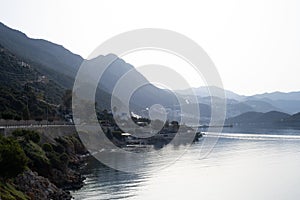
[(243, 163)]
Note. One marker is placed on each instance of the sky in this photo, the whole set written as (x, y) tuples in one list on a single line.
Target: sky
[(255, 45)]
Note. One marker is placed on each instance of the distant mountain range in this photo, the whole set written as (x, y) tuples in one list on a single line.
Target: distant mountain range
[(60, 66), (293, 119), (273, 118), (259, 117), (238, 104)]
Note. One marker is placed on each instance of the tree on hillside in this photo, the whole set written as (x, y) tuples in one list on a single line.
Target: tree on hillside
[(12, 158)]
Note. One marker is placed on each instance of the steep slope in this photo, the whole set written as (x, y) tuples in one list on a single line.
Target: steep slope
[(142, 97), (61, 66), (48, 58), (39, 51), (22, 85)]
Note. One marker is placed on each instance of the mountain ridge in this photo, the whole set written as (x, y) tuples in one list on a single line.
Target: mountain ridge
[(61, 66), (259, 118), (48, 57)]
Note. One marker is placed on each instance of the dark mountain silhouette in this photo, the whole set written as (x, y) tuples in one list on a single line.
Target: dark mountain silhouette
[(274, 116), (61, 66), (143, 97), (47, 56), (259, 117), (293, 119)]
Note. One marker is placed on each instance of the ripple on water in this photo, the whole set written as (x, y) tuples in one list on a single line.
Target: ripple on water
[(247, 163)]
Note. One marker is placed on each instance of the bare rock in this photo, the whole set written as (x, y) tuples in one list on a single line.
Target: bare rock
[(39, 188)]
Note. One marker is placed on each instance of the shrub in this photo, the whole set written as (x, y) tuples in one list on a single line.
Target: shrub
[(12, 158), (64, 160), (34, 136), (18, 133), (59, 148), (58, 160), (47, 147), (64, 157), (38, 158), (29, 135)]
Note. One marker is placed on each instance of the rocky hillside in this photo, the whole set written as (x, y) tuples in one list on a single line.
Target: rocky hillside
[(31, 169), (49, 58), (24, 91)]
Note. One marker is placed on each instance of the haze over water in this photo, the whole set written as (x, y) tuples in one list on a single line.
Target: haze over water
[(261, 164)]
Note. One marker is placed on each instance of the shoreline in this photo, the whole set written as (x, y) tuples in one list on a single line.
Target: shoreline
[(53, 168)]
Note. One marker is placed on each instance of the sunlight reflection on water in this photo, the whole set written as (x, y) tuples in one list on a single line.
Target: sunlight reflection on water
[(250, 166)]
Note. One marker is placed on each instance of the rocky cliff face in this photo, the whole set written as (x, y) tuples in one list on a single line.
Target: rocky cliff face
[(39, 188), (52, 168)]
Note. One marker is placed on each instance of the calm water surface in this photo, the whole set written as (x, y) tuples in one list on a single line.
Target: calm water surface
[(263, 164)]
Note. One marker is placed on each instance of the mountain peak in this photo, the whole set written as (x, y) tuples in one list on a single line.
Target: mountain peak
[(45, 55)]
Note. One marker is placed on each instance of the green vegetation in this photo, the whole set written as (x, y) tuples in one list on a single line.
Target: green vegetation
[(12, 158), (24, 92), (49, 58), (9, 192), (27, 134), (24, 151), (13, 161), (47, 147)]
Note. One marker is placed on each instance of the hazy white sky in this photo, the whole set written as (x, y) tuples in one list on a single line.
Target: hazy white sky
[(254, 44)]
